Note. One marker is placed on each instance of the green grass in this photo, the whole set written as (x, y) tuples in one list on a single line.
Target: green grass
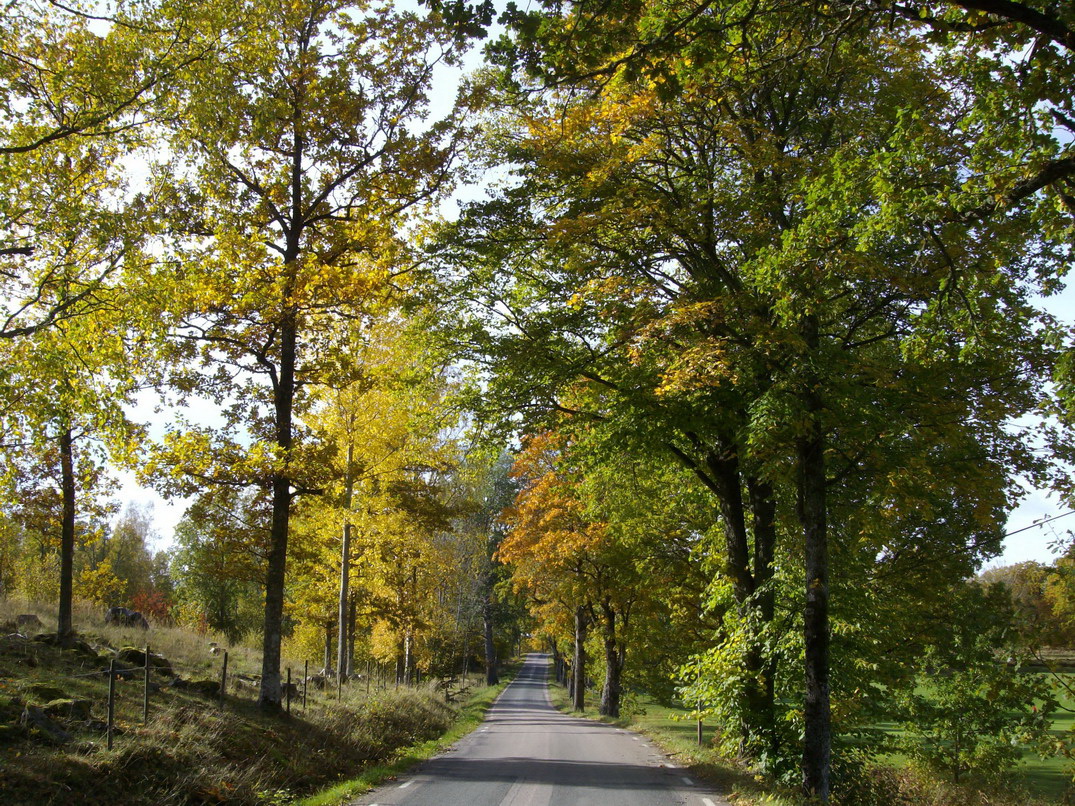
[(1049, 779), (677, 737), (470, 716), (1045, 781)]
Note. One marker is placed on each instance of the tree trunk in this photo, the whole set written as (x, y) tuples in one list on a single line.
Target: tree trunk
[(408, 660), (491, 675), (750, 577), (817, 738), (276, 571), (345, 565), (351, 637), (64, 623), (578, 671), (761, 695), (328, 646), (614, 657)]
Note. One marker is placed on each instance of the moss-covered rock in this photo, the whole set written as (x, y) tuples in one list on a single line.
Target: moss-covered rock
[(43, 692), (69, 709), (137, 658), (82, 648), (10, 732)]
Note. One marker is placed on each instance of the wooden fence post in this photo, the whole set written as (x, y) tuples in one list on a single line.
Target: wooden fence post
[(223, 678), (111, 699), (305, 682), (288, 690), (145, 693), (339, 687)]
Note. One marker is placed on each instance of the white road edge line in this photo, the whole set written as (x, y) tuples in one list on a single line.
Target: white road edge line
[(405, 785), (687, 781), (706, 801)]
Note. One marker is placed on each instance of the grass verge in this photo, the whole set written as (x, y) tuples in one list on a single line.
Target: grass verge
[(1035, 783), (678, 739), (469, 717)]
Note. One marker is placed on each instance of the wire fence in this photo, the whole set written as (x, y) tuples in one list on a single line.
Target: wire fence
[(219, 681)]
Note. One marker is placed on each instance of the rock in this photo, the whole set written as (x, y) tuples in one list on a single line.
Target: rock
[(289, 687), (35, 719), (49, 638), (137, 657), (28, 622), (122, 617), (215, 650), (69, 709), (44, 692), (317, 681), (81, 648), (124, 672)]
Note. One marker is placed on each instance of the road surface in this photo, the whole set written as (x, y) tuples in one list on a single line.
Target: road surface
[(526, 753)]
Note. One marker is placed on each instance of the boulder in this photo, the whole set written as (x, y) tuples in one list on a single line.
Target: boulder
[(44, 692), (122, 617), (27, 623), (36, 720), (81, 648), (318, 681), (69, 709), (137, 657)]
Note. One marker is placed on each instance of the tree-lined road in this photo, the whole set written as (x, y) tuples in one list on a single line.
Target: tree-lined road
[(527, 753)]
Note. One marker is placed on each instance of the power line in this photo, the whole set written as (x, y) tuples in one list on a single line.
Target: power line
[(1041, 523)]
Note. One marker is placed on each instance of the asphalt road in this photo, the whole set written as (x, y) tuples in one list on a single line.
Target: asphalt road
[(527, 753)]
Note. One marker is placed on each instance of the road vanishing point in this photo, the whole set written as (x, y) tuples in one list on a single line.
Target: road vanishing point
[(526, 753)]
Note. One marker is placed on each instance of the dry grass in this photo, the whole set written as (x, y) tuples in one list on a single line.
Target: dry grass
[(191, 751)]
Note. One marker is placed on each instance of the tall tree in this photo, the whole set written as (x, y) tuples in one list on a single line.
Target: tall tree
[(301, 150), (712, 217)]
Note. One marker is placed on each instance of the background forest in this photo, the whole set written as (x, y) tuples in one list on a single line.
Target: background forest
[(701, 343)]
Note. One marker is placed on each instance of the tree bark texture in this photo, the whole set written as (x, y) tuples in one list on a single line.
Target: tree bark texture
[(64, 623), (345, 566), (578, 666), (492, 677), (276, 571), (817, 738), (614, 659)]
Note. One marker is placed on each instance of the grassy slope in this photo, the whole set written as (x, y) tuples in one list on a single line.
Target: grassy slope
[(191, 751)]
